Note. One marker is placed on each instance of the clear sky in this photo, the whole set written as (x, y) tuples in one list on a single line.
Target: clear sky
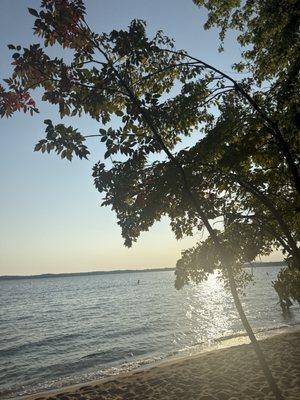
[(51, 219)]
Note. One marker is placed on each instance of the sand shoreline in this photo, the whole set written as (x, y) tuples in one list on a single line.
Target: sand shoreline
[(220, 374)]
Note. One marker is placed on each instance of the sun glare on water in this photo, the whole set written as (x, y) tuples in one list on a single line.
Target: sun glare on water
[(208, 309)]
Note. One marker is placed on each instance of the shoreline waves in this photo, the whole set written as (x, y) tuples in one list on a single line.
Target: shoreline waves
[(218, 374)]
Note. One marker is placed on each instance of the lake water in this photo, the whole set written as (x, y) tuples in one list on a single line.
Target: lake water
[(60, 331)]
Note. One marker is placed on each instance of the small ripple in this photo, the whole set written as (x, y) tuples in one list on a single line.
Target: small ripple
[(28, 346)]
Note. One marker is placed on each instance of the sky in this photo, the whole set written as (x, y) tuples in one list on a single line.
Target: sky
[(51, 219)]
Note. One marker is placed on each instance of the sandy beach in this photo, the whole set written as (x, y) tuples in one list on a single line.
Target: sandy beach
[(230, 373)]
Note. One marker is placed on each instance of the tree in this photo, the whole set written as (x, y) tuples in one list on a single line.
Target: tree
[(160, 96)]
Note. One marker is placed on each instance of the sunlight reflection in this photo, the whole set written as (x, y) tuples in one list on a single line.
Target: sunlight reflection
[(208, 310)]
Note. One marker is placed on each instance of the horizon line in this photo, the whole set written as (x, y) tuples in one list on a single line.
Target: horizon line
[(98, 272), (118, 271)]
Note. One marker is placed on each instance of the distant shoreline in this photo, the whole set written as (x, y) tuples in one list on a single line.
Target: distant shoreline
[(121, 271), (70, 274)]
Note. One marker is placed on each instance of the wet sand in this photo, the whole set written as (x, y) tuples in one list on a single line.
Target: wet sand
[(232, 373)]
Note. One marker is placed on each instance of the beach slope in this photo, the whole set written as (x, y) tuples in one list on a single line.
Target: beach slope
[(231, 373)]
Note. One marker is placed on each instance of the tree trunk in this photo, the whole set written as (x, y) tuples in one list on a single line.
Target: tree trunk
[(223, 258), (254, 342), (264, 365), (194, 201), (227, 264)]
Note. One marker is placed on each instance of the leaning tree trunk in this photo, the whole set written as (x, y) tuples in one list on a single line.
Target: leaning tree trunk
[(248, 329), (226, 262), (222, 256), (179, 169)]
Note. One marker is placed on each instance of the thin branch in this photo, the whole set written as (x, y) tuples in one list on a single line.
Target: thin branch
[(88, 62), (215, 96), (159, 71), (89, 136)]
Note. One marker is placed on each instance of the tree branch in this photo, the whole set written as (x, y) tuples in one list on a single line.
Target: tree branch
[(282, 144)]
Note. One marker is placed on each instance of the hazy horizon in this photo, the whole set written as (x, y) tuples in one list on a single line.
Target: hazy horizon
[(108, 270)]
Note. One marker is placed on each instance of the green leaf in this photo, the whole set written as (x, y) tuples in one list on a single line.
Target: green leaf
[(119, 113), (33, 12), (69, 155), (38, 147)]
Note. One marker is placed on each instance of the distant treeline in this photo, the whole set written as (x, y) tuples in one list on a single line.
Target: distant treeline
[(70, 274), (122, 271)]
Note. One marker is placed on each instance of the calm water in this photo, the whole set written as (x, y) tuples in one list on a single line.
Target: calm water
[(60, 331)]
